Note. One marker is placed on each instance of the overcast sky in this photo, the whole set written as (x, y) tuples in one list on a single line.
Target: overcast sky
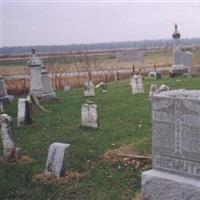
[(64, 22)]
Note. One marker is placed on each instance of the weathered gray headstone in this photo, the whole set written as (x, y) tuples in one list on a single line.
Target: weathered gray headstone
[(48, 91), (2, 108), (24, 112), (89, 115), (175, 147), (195, 71), (57, 155), (3, 91), (9, 149), (89, 89), (182, 60), (35, 65), (137, 84)]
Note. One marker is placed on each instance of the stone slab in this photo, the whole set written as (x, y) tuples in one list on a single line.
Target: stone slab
[(58, 153), (176, 132), (157, 185)]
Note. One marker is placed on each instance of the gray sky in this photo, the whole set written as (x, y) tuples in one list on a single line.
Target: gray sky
[(64, 22)]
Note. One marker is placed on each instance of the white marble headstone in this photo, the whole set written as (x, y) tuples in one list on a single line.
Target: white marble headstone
[(89, 89), (89, 115), (137, 84), (58, 153)]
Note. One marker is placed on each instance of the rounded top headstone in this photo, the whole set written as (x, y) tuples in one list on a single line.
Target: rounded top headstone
[(176, 34)]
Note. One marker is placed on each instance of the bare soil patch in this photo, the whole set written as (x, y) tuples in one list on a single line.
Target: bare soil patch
[(68, 177), (128, 155)]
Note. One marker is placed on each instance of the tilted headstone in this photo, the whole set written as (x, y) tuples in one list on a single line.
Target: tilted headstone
[(154, 89), (137, 84), (24, 112), (103, 86), (175, 147), (57, 155), (11, 153), (89, 115), (89, 89)]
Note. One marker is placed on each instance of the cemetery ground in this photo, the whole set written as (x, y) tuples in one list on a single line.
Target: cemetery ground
[(125, 124)]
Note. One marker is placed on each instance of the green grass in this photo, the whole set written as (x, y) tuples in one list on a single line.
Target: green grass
[(120, 114)]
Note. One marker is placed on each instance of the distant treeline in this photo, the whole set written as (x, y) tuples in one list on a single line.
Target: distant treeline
[(73, 48)]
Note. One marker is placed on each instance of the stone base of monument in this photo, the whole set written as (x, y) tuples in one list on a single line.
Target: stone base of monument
[(158, 185)]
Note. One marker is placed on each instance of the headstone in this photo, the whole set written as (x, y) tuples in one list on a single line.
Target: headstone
[(40, 83), (24, 112), (48, 91), (57, 155), (89, 115), (182, 60), (154, 89), (66, 88), (3, 91), (2, 108), (10, 151), (137, 84), (103, 86), (175, 147), (89, 89), (130, 56), (35, 65), (4, 97), (194, 71)]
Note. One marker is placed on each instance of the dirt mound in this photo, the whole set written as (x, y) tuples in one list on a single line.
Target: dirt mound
[(128, 155), (68, 177)]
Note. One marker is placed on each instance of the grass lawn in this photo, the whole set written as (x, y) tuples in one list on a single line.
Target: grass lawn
[(124, 119)]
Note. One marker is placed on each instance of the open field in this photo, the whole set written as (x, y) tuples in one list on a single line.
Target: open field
[(124, 120)]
